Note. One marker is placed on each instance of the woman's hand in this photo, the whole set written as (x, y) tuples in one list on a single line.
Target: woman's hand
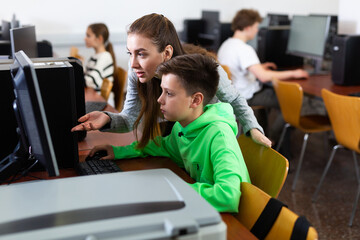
[(92, 121), (260, 138)]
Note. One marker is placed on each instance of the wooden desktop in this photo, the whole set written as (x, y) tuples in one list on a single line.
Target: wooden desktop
[(315, 83), (235, 230)]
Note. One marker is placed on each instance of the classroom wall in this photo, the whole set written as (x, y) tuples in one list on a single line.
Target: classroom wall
[(349, 17), (64, 22)]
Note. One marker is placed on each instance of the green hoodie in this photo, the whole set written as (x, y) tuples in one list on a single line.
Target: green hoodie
[(207, 148)]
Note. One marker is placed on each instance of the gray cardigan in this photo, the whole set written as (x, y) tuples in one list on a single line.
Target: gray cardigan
[(124, 121)]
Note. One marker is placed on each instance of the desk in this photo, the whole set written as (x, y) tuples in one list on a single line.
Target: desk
[(315, 83), (235, 230)]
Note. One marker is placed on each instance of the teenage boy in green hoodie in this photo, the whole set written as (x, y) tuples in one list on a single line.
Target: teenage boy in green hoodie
[(203, 139)]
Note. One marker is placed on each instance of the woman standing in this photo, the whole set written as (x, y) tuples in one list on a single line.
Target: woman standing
[(152, 39)]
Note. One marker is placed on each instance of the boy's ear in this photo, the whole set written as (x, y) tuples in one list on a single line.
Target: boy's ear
[(197, 99), (168, 52)]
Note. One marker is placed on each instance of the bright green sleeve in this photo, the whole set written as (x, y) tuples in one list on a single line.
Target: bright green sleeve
[(151, 149), (229, 171)]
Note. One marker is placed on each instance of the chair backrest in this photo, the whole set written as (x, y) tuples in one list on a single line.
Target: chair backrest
[(74, 52), (120, 77), (253, 201), (267, 168), (290, 97), (344, 114), (227, 70), (106, 88)]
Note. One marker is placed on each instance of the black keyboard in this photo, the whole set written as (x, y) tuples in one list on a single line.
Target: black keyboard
[(95, 166)]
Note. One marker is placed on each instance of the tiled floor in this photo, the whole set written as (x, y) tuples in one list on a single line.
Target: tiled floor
[(330, 214)]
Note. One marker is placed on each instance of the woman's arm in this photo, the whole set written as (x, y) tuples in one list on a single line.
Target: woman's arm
[(124, 121), (244, 113)]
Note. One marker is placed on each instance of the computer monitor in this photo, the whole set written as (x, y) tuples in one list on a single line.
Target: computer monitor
[(210, 37), (5, 29), (35, 144), (24, 38), (192, 28), (307, 38)]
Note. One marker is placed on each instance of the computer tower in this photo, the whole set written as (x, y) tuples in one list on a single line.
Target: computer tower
[(79, 81), (346, 60), (57, 86), (272, 44), (278, 19), (225, 32)]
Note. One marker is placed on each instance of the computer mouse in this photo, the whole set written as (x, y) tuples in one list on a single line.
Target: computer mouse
[(97, 155)]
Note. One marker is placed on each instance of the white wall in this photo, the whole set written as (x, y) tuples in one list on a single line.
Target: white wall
[(349, 17), (64, 22)]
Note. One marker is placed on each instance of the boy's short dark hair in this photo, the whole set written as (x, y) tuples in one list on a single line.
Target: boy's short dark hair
[(196, 72), (245, 18)]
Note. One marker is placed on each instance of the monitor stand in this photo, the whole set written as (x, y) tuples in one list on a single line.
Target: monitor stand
[(316, 67), (18, 161)]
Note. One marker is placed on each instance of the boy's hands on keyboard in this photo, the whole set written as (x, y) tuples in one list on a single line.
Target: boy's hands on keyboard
[(102, 152), (98, 161)]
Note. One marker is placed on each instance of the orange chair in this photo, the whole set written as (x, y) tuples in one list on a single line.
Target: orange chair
[(252, 203), (290, 97), (74, 52), (267, 168), (106, 88), (227, 70), (344, 114), (120, 77)]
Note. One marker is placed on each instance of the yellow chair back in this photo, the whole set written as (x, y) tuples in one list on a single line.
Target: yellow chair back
[(120, 77), (227, 70), (290, 97), (267, 168), (253, 201), (344, 114), (106, 88)]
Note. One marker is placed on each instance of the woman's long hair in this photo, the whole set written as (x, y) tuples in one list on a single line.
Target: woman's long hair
[(162, 33)]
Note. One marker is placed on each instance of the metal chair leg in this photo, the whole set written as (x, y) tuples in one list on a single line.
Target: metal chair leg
[(306, 136), (354, 207), (314, 198), (356, 167), (286, 126)]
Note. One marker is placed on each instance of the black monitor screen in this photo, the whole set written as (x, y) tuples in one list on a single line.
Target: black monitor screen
[(308, 35), (24, 38), (30, 113)]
